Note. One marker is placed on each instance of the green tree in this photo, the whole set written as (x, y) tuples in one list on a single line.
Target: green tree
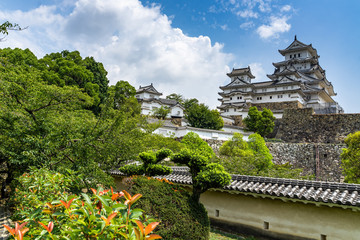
[(150, 164), (350, 158), (123, 90), (69, 68), (254, 154), (43, 124), (260, 122), (7, 26), (189, 102), (253, 158), (196, 155), (200, 116), (161, 112), (177, 97)]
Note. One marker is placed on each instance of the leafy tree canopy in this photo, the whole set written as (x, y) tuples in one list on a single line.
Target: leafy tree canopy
[(177, 97), (200, 116), (7, 26), (253, 158), (161, 112), (350, 158), (44, 124), (260, 122)]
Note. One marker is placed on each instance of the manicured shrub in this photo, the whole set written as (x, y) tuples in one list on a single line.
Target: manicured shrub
[(150, 166), (181, 217)]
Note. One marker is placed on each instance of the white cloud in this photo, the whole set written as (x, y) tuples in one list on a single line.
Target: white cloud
[(247, 25), (134, 42), (258, 71), (247, 14), (224, 27), (277, 25), (285, 8)]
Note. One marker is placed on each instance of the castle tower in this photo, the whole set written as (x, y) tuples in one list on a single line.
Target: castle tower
[(297, 82)]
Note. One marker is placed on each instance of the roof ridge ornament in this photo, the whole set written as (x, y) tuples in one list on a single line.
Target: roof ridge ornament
[(295, 39)]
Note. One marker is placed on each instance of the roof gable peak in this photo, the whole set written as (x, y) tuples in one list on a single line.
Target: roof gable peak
[(149, 88)]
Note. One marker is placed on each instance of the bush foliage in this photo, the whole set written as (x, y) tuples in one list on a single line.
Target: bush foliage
[(45, 209), (150, 166), (253, 158), (180, 216), (260, 122), (350, 158), (197, 154)]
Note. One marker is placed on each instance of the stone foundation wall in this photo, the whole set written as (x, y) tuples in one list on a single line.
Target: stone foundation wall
[(305, 155), (302, 125), (277, 105)]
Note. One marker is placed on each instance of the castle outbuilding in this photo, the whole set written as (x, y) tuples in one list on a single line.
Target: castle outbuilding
[(150, 99), (297, 82)]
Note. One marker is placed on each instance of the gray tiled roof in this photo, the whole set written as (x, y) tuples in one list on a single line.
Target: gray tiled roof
[(313, 191)]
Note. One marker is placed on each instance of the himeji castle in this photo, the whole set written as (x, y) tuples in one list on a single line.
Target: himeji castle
[(297, 82)]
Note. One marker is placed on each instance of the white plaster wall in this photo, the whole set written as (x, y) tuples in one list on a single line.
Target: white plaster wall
[(292, 218), (203, 133), (176, 111)]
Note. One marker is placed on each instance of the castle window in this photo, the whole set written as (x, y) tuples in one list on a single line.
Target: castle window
[(264, 90), (259, 98), (289, 95), (290, 56), (217, 213), (280, 96), (275, 89), (285, 88), (238, 97), (231, 98), (270, 97), (323, 237), (299, 55), (266, 225)]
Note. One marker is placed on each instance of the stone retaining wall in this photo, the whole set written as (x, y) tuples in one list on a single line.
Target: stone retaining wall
[(274, 106), (320, 160), (302, 125)]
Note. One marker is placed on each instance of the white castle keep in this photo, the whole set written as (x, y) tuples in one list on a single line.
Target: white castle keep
[(297, 82)]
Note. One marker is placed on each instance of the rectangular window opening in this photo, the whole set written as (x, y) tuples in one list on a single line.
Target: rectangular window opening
[(217, 213), (266, 225), (323, 237)]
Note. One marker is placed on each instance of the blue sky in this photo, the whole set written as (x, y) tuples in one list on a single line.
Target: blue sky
[(188, 46)]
